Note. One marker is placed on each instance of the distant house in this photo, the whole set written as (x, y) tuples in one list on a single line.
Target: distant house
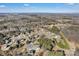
[(32, 48)]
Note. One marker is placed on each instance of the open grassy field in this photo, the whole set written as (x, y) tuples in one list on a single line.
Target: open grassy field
[(63, 43), (46, 43)]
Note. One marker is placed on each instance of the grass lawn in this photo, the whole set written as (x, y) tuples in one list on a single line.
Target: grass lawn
[(55, 53)]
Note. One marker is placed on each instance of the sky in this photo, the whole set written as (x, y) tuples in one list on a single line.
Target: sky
[(39, 8)]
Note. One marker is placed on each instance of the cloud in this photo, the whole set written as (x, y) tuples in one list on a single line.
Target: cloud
[(2, 6), (70, 3), (26, 5)]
